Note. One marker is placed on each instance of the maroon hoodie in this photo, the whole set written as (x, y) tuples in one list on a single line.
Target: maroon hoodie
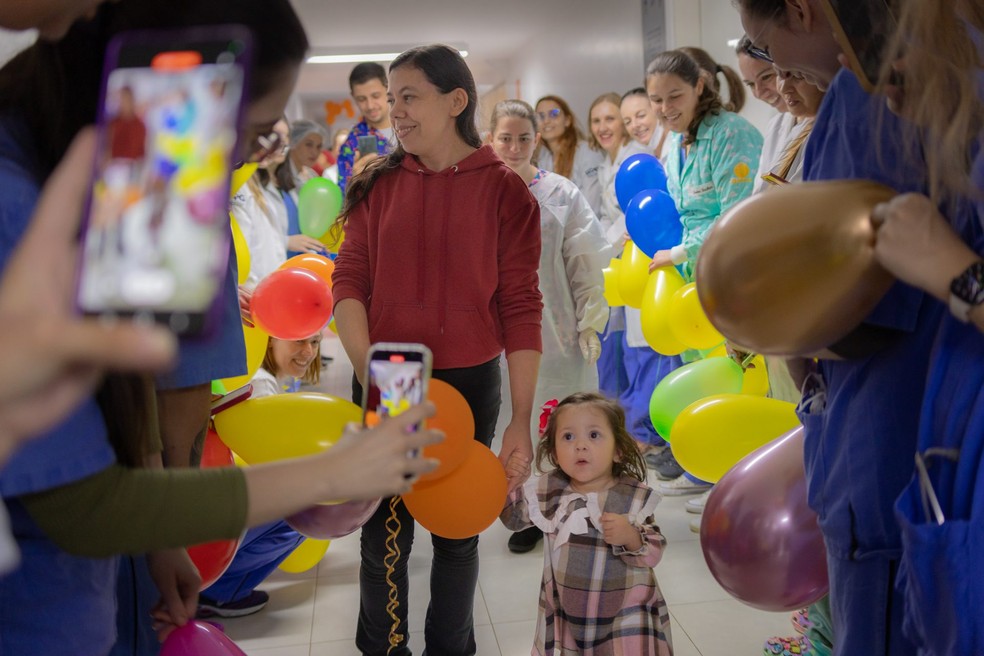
[(446, 259)]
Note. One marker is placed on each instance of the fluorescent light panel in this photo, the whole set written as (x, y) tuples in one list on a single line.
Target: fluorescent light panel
[(356, 58)]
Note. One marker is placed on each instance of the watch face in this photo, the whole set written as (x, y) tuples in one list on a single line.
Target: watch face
[(969, 285)]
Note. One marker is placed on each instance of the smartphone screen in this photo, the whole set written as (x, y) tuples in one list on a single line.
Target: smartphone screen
[(367, 145), (397, 380), (157, 228), (863, 29)]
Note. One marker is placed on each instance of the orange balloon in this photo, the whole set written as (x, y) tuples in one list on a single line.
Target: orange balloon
[(793, 271), (320, 265), (454, 417), (465, 502)]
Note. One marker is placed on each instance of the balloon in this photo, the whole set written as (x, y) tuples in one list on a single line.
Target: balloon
[(688, 322), (660, 287), (285, 426), (318, 204), (256, 347), (241, 249), (218, 389), (711, 435), (305, 556), (760, 539), (454, 417), (240, 176), (214, 451), (212, 559), (610, 275), (637, 173), (465, 502), (633, 275), (688, 384), (793, 271), (333, 239), (653, 221), (320, 265), (291, 304), (335, 521), (756, 380), (199, 639)]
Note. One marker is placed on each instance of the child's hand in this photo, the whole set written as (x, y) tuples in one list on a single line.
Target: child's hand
[(517, 469), (619, 532)]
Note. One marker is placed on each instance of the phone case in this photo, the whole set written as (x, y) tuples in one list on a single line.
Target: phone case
[(388, 348)]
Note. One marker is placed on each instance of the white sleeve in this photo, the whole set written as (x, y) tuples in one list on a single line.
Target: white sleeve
[(264, 384), (586, 253), (243, 208)]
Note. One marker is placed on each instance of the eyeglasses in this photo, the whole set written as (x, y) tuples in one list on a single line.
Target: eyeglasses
[(553, 113), (268, 145), (759, 53)]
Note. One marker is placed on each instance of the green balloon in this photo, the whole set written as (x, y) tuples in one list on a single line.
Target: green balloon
[(689, 384), (318, 203)]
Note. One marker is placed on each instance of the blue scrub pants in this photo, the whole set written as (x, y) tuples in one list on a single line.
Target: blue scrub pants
[(644, 368), (612, 379), (263, 548)]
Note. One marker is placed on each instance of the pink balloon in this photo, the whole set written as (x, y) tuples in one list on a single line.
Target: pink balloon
[(331, 522), (760, 539), (199, 639)]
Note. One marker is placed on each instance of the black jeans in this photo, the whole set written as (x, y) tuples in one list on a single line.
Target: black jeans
[(449, 629)]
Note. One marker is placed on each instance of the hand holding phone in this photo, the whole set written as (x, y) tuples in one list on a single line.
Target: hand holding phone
[(368, 145), (396, 380)]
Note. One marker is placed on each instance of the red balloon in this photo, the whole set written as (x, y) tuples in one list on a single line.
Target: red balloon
[(466, 501), (328, 522), (214, 452), (291, 304), (317, 264), (760, 539), (212, 559)]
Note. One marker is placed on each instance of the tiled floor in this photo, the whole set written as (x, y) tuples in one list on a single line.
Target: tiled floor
[(314, 614)]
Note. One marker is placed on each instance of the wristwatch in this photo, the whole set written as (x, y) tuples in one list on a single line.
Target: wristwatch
[(967, 291)]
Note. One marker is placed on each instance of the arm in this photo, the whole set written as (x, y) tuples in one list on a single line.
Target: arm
[(517, 441), (350, 288), (352, 324), (586, 253), (637, 546), (184, 414)]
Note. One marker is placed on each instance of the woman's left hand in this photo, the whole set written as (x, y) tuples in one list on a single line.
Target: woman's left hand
[(916, 244), (660, 259), (178, 581), (517, 446)]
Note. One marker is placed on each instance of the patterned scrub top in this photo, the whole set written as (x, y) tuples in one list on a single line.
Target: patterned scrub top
[(718, 172), (595, 599)]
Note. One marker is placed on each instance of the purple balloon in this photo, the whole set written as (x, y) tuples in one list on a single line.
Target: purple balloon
[(760, 539), (336, 521), (199, 639)]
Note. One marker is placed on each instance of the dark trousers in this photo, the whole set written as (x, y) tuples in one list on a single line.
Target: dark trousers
[(449, 629)]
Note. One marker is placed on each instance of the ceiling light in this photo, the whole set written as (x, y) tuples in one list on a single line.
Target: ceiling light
[(356, 58)]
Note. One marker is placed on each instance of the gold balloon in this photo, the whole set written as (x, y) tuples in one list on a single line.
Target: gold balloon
[(792, 271)]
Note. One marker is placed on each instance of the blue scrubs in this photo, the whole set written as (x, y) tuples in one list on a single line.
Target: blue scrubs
[(861, 416), (54, 603)]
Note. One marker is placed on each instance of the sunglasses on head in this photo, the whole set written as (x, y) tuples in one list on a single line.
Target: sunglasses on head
[(553, 113)]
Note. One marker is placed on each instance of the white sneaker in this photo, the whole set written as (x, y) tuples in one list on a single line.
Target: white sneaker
[(695, 525), (681, 486), (696, 506)]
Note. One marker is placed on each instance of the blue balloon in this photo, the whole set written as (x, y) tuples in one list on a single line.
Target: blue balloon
[(638, 173), (653, 222)]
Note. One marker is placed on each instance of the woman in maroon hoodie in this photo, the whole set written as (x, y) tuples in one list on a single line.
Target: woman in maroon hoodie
[(442, 245)]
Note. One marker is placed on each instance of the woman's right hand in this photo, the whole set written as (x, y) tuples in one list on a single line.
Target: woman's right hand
[(304, 244), (379, 462)]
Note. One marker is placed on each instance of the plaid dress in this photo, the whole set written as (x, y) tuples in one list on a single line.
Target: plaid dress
[(596, 599)]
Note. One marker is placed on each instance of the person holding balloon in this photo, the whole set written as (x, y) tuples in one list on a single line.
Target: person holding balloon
[(573, 251), (286, 364), (598, 594), (292, 175), (564, 150), (442, 248)]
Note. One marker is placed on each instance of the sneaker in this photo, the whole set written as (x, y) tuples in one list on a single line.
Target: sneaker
[(668, 468), (251, 603), (681, 486), (801, 620), (525, 540), (695, 525), (655, 455), (696, 506), (795, 646)]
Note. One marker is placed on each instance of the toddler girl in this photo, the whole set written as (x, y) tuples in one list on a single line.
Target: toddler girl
[(599, 594)]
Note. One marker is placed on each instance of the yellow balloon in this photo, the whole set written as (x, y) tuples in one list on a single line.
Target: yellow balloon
[(713, 434), (285, 426), (756, 379), (256, 346), (633, 275), (610, 275), (239, 462), (331, 241), (305, 556), (689, 323), (243, 260), (654, 311), (240, 176)]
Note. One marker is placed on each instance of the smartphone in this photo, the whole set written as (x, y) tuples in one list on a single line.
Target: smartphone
[(396, 379), (234, 397), (368, 145), (863, 29), (156, 232)]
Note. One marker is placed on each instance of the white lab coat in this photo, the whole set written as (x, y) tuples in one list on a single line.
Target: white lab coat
[(584, 171), (265, 232), (777, 135), (572, 254)]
